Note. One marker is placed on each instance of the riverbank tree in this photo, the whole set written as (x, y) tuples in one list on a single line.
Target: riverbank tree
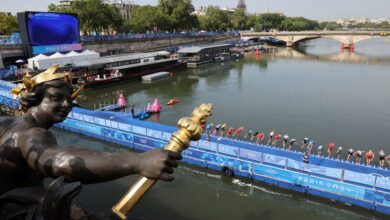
[(8, 24)]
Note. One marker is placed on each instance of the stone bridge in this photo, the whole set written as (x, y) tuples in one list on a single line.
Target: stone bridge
[(347, 38), (339, 57)]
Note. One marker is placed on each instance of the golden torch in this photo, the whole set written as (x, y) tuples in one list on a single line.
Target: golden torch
[(190, 129)]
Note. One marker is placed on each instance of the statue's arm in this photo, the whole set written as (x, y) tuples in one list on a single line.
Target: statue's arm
[(40, 149)]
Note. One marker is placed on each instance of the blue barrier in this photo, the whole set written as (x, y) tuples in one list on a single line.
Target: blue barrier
[(365, 186)]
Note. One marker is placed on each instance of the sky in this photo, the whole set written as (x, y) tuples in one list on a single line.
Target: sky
[(313, 9)]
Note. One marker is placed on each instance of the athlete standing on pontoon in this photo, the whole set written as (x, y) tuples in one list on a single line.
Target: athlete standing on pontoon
[(260, 137), (330, 149), (271, 136), (285, 140), (350, 154), (381, 158), (304, 142), (320, 149), (369, 157), (292, 142)]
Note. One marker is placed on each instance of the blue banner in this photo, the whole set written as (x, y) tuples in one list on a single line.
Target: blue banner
[(225, 149), (95, 129), (383, 182), (249, 154), (207, 145), (362, 178), (269, 158), (56, 48), (154, 133)]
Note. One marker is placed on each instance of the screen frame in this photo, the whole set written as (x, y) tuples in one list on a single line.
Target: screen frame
[(26, 18)]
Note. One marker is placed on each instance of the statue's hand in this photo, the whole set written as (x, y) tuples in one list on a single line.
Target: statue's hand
[(158, 164)]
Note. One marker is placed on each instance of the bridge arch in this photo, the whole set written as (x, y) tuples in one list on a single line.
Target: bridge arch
[(293, 38)]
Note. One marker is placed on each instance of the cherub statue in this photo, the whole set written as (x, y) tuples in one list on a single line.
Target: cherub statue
[(29, 153)]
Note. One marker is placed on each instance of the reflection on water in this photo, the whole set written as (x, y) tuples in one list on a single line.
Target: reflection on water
[(314, 90)]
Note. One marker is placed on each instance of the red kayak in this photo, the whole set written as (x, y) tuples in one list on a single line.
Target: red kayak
[(173, 101)]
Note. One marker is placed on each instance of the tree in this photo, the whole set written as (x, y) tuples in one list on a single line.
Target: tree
[(144, 18), (239, 20), (268, 21), (215, 20), (251, 21), (329, 25), (179, 14), (298, 24), (8, 24)]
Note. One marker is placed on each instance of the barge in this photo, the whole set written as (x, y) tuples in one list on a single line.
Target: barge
[(338, 180), (199, 55)]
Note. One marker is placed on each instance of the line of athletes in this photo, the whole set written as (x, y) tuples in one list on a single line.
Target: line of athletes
[(219, 130)]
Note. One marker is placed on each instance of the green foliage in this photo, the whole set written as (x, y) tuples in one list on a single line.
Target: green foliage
[(298, 24), (239, 20), (179, 14), (251, 21), (144, 18), (8, 24), (215, 20), (268, 21), (329, 25), (372, 26)]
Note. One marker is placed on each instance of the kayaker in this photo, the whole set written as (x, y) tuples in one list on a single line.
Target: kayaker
[(292, 142), (271, 136), (285, 140), (381, 158), (304, 142), (260, 137), (330, 149), (350, 154), (369, 157), (320, 149)]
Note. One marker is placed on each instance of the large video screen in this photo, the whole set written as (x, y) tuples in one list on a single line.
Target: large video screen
[(46, 28)]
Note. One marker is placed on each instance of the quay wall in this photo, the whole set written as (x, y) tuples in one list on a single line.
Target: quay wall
[(122, 46), (347, 182)]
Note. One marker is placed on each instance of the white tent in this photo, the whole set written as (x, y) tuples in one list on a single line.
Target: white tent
[(33, 62), (56, 55), (90, 54), (73, 54)]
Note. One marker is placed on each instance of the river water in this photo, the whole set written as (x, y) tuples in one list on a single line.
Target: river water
[(315, 90)]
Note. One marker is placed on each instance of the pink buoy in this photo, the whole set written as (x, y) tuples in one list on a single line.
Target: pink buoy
[(257, 51), (121, 101)]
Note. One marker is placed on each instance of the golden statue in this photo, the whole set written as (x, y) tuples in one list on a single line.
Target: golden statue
[(190, 129)]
